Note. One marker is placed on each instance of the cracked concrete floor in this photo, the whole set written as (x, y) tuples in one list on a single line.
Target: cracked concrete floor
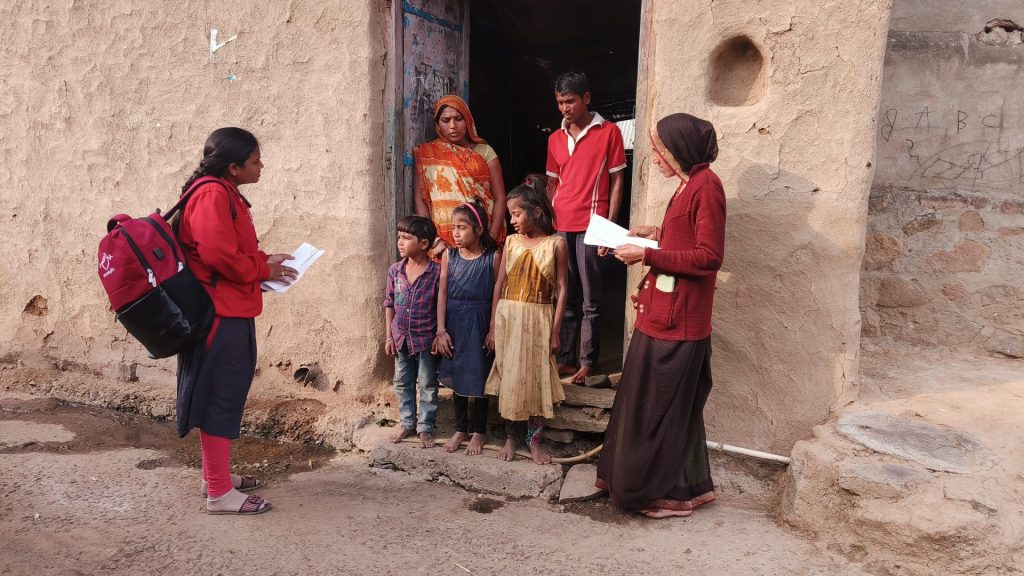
[(86, 491)]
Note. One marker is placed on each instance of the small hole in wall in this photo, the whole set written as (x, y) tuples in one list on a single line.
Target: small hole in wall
[(738, 73)]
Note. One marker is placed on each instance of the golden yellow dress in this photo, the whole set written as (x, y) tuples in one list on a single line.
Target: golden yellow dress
[(524, 376)]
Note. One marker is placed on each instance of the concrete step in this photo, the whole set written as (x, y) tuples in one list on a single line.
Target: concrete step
[(483, 473)]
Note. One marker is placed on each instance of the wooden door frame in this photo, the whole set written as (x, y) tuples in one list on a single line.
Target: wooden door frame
[(394, 122), (394, 115)]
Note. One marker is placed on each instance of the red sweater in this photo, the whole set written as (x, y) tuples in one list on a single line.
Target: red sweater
[(692, 247), (215, 243)]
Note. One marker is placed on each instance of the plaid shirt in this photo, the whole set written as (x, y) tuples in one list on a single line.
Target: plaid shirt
[(415, 306)]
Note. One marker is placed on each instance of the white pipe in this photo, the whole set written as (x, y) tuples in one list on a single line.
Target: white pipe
[(747, 452)]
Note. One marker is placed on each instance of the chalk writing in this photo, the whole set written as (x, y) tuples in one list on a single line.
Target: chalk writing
[(889, 123), (892, 120), (961, 146)]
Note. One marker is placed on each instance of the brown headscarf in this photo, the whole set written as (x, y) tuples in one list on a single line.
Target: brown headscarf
[(689, 139), (461, 107)]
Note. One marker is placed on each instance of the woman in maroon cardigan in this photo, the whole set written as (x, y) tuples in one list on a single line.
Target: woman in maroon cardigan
[(655, 459)]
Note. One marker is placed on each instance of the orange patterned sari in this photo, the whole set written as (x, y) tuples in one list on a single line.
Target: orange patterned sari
[(449, 175)]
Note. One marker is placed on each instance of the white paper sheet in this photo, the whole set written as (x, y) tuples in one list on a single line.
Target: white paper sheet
[(303, 258), (604, 232)]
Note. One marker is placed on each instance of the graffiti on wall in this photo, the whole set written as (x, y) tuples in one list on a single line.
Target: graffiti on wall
[(953, 145)]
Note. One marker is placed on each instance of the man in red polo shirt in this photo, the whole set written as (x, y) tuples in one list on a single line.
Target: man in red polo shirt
[(585, 163)]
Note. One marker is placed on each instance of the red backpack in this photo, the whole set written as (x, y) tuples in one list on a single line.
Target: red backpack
[(153, 292)]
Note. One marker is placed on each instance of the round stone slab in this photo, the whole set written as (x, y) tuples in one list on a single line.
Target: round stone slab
[(933, 446)]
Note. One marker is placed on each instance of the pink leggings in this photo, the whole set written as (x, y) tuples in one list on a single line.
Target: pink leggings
[(216, 464)]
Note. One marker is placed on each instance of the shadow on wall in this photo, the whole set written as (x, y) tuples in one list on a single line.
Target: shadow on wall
[(770, 313)]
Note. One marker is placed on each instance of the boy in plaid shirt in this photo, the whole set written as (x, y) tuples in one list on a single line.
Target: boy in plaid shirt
[(410, 307)]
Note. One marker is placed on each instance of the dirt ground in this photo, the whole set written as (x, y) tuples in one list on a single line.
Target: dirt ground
[(90, 491)]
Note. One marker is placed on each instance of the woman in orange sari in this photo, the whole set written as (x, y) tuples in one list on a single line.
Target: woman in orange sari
[(456, 168)]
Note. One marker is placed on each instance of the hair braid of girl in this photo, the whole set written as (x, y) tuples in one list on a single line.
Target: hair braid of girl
[(191, 179)]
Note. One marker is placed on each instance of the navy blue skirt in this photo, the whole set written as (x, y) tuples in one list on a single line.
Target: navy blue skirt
[(466, 371), (214, 379)]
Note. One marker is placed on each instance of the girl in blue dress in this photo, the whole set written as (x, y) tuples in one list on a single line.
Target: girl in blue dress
[(463, 319)]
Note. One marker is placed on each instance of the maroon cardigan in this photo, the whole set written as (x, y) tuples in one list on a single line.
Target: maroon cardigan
[(692, 240)]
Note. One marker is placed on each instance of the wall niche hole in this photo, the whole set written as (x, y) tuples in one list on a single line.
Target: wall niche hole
[(737, 73)]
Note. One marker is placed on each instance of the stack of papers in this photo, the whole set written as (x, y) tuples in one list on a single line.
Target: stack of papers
[(303, 258), (604, 232)]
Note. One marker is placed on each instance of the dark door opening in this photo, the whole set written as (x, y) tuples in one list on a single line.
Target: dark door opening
[(516, 49)]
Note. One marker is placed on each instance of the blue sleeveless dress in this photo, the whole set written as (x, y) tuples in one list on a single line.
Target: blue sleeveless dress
[(467, 319)]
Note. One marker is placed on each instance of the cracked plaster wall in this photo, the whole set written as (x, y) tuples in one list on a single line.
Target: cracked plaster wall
[(797, 167), (104, 108), (942, 265)]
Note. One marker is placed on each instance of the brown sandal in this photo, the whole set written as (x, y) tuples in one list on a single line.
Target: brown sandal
[(252, 505)]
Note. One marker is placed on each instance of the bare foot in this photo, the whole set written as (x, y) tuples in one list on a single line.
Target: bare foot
[(665, 513), (539, 455), (426, 440), (508, 451), (476, 444), (402, 434), (454, 442), (566, 370), (580, 377)]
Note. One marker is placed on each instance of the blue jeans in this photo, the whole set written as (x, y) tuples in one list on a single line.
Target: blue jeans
[(416, 372)]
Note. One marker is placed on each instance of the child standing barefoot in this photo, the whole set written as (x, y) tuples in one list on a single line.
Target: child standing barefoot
[(529, 299), (410, 309), (463, 320)]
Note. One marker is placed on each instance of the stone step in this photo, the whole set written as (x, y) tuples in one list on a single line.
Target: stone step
[(582, 396), (484, 473), (578, 485), (579, 419)]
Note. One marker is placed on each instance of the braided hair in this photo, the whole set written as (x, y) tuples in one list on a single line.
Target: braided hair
[(224, 147)]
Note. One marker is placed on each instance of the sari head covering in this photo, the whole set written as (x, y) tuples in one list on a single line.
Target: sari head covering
[(690, 140), (460, 106), (449, 175)]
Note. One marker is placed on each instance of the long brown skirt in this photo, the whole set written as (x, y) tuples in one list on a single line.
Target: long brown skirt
[(655, 454)]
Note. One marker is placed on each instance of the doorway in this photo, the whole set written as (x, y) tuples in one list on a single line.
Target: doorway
[(516, 50), (502, 56)]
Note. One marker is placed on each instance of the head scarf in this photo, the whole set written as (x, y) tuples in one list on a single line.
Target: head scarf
[(461, 107), (689, 139)]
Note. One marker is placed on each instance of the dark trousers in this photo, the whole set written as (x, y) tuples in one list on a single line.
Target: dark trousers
[(582, 304), (462, 414)]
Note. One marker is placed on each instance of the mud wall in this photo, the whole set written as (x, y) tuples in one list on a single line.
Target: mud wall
[(104, 108), (792, 88), (942, 265)]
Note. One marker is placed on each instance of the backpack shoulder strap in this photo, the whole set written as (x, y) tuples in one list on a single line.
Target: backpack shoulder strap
[(183, 201)]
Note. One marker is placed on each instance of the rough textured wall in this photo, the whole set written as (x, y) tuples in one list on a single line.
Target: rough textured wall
[(104, 107), (945, 235), (796, 131)]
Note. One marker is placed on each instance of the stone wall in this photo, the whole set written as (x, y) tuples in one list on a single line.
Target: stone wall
[(792, 88), (945, 231), (104, 108)]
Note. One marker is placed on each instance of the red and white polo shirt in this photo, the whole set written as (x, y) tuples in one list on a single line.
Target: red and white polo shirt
[(582, 167)]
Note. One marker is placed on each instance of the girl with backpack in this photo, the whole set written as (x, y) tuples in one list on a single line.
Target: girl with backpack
[(217, 234)]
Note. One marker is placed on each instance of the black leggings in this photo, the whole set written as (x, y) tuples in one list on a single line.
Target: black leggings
[(462, 414)]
